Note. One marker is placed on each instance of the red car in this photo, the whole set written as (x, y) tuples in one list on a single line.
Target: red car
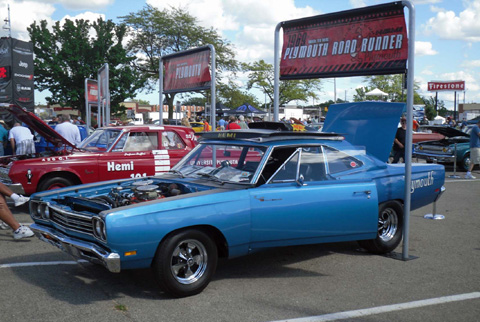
[(110, 153)]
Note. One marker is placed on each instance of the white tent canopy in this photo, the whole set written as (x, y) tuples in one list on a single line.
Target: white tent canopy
[(376, 92)]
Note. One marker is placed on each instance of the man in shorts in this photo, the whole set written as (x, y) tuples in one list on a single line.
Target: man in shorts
[(474, 149)]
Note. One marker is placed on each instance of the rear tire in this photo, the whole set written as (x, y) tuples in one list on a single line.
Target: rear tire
[(54, 183), (185, 263), (390, 229)]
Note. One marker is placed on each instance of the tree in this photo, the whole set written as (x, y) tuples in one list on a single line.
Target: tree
[(233, 96), (157, 33), (430, 107), (393, 85), (71, 52), (261, 77)]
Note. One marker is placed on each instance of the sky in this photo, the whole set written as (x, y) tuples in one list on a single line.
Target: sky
[(447, 33)]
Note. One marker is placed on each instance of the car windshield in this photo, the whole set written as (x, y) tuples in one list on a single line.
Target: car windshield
[(100, 140), (222, 163)]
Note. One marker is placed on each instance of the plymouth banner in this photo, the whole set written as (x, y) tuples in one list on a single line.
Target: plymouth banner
[(359, 42), (187, 72), (436, 86)]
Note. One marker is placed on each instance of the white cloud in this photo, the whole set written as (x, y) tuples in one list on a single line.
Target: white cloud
[(447, 25), (358, 3), (84, 4), (254, 21), (90, 16), (424, 48), (471, 64), (22, 15), (417, 2)]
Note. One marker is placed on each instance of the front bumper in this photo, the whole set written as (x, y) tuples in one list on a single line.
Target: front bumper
[(442, 158), (78, 249)]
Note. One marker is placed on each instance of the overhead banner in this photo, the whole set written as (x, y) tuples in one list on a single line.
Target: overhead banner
[(6, 95), (366, 41), (187, 72), (437, 86)]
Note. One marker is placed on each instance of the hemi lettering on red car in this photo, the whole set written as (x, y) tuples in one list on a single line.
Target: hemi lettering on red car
[(112, 166)]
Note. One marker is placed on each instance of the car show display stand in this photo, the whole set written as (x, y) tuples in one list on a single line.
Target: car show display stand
[(454, 175)]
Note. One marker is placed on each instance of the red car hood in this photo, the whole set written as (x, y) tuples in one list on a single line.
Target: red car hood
[(36, 124)]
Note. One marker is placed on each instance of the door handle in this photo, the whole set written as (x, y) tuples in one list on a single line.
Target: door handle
[(367, 192)]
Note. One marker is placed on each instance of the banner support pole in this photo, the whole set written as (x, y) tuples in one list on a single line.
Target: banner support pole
[(276, 71), (408, 140)]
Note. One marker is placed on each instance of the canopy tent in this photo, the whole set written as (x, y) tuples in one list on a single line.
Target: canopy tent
[(220, 109), (376, 92), (244, 109)]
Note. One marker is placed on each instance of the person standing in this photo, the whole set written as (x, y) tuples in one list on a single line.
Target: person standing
[(474, 149), (3, 138), (68, 130), (6, 216), (21, 140), (232, 124), (243, 125), (399, 142), (206, 126), (222, 123)]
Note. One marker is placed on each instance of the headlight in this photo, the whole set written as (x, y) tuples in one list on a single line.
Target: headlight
[(448, 150), (40, 210), (99, 229)]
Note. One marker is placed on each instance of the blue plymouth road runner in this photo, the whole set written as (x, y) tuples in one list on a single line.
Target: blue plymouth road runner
[(242, 191)]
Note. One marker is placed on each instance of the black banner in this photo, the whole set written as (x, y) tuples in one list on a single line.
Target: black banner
[(16, 73)]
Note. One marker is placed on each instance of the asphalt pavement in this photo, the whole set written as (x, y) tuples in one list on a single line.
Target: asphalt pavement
[(307, 283)]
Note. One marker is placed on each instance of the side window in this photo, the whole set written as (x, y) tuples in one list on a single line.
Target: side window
[(141, 141), (172, 141), (288, 171), (312, 164), (339, 161)]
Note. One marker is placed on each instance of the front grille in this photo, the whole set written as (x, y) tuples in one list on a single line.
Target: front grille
[(71, 221)]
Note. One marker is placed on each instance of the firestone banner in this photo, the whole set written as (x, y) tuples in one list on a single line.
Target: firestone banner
[(366, 41), (189, 72), (446, 86)]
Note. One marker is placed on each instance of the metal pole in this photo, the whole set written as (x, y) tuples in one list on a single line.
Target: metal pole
[(454, 175), (87, 105), (213, 88), (160, 85), (408, 140), (276, 68), (455, 106)]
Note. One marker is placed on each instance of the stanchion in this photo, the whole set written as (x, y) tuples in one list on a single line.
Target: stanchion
[(454, 175), (434, 214)]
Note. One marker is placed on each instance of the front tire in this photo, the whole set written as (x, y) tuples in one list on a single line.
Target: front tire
[(390, 229), (54, 183), (465, 162), (185, 263)]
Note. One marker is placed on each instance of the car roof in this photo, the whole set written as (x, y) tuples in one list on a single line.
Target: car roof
[(262, 135)]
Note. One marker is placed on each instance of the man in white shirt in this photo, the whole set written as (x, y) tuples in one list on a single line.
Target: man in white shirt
[(21, 139), (68, 130)]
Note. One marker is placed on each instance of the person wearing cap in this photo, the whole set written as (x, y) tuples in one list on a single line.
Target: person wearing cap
[(243, 125), (399, 142)]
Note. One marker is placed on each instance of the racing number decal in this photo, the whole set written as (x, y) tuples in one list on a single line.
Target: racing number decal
[(162, 161)]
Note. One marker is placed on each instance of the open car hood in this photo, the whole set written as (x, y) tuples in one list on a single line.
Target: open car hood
[(39, 126), (369, 124), (446, 131)]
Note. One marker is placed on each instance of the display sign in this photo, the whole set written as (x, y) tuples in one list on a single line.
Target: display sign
[(92, 92), (366, 41), (22, 74), (187, 72), (437, 86)]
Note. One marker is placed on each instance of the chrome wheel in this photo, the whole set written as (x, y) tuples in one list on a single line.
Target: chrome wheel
[(189, 261), (387, 224)]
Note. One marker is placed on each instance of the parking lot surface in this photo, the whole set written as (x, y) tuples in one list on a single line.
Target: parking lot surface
[(307, 283)]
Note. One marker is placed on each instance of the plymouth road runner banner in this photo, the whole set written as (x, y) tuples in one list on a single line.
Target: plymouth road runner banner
[(187, 72), (367, 41)]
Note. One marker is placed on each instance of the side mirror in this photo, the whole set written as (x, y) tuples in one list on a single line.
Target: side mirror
[(300, 181)]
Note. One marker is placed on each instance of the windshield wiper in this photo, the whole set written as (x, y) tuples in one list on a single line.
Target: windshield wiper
[(177, 172), (212, 177)]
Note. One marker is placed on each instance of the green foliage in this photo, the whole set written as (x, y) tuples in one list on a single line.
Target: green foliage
[(393, 85), (75, 50), (261, 76), (156, 33), (430, 107), (232, 96)]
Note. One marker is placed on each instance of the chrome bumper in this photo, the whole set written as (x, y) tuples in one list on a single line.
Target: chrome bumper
[(434, 157), (77, 248)]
